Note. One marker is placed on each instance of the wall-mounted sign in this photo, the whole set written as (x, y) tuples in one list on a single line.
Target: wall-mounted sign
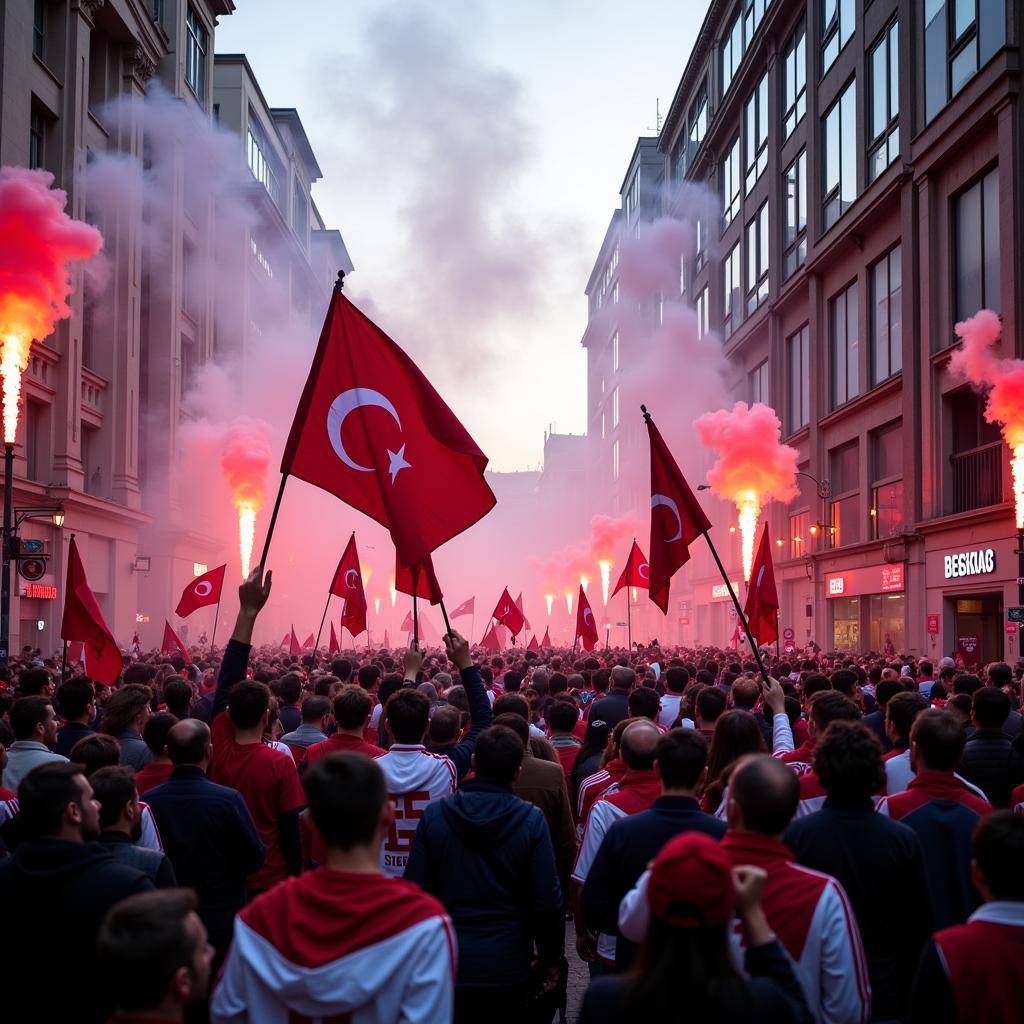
[(720, 592), (969, 563), (871, 579), (31, 568), (39, 590), (199, 569), (933, 625)]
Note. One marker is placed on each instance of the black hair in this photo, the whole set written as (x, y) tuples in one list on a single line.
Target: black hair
[(346, 792)]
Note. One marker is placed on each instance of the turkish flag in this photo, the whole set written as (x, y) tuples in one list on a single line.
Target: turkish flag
[(407, 623), (508, 614), (371, 429), (490, 640), (586, 627), (348, 584), (293, 643), (76, 652), (762, 605), (83, 621), (309, 642), (333, 648), (637, 572), (519, 605), (677, 520), (533, 645), (426, 581), (546, 642), (466, 608), (202, 591), (172, 645)]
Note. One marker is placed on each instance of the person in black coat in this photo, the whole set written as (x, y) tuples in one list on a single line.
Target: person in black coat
[(487, 856), (613, 707), (55, 891), (990, 760)]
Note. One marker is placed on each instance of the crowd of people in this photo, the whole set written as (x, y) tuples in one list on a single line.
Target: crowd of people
[(428, 836)]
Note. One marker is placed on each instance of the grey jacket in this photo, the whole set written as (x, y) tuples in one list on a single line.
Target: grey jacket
[(22, 757)]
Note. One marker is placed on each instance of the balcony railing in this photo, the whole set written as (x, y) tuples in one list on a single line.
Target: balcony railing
[(977, 477)]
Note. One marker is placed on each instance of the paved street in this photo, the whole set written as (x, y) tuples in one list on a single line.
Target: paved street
[(579, 977)]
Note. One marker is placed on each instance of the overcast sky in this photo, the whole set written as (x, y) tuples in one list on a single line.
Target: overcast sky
[(472, 154)]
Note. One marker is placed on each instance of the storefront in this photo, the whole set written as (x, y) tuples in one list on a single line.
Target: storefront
[(867, 609)]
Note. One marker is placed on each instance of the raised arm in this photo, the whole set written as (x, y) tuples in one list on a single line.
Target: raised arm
[(480, 714), (252, 596)]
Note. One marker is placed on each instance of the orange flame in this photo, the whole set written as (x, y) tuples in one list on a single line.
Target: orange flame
[(549, 600), (392, 591), (605, 565), (244, 462), (568, 601), (246, 533)]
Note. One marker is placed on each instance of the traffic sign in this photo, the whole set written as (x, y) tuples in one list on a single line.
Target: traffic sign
[(787, 633)]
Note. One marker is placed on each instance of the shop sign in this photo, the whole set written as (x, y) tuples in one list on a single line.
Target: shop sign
[(933, 625), (1011, 628), (968, 649), (871, 579), (892, 578), (969, 563), (720, 591), (1015, 614), (836, 585), (39, 590)]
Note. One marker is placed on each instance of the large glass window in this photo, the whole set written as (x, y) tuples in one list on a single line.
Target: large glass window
[(731, 291), (845, 623), (883, 115), (976, 215), (838, 20), (755, 132), (886, 316), (758, 378), (794, 80), (799, 534), (798, 355), (887, 480), (845, 339), (887, 617), (977, 457), (702, 311), (731, 184), (300, 211), (261, 159), (758, 243), (795, 239), (732, 53), (841, 154), (36, 139), (195, 54), (844, 476), (698, 122), (39, 29)]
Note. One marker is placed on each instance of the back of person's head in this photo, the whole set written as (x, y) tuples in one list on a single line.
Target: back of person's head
[(639, 742), (368, 676), (1000, 674), (27, 713), (445, 726), (990, 708), (814, 683), (848, 761), (875, 674), (622, 677), (518, 724), (390, 684), (601, 680), (342, 668), (512, 681), (96, 751), (711, 704), (705, 677), (998, 849), (177, 696), (155, 731), (124, 706), (352, 707), (926, 668), (736, 733), (886, 690), (513, 703), (74, 697), (498, 755), (45, 796), (248, 702), (644, 702), (561, 716), (967, 683), (114, 788), (407, 713), (676, 679), (901, 711), (152, 947), (289, 688), (845, 682), (347, 794), (138, 674), (746, 693), (188, 742), (33, 681), (766, 793), (938, 737), (314, 709), (831, 706), (680, 756)]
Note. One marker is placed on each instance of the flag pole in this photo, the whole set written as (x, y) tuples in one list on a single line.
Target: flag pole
[(444, 613), (273, 521), (415, 612), (213, 638), (64, 664), (323, 619), (778, 635)]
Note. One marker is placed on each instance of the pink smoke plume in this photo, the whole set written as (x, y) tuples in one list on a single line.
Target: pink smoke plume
[(606, 533), (245, 461)]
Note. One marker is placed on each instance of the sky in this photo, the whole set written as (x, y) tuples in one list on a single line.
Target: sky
[(472, 155)]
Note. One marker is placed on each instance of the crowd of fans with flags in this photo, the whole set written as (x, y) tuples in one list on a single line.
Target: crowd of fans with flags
[(428, 835)]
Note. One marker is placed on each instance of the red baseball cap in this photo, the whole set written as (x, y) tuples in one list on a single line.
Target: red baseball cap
[(691, 883)]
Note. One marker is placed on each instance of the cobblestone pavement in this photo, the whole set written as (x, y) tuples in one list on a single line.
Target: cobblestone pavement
[(579, 976)]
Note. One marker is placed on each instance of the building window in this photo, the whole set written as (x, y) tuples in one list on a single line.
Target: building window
[(883, 116), (300, 211), (39, 29), (615, 459), (798, 355), (844, 475), (615, 352), (887, 481), (795, 81), (632, 198), (841, 154), (755, 132), (698, 122), (759, 384), (261, 160), (602, 426), (758, 242), (195, 54), (158, 11), (615, 408), (36, 139), (753, 13), (702, 311), (35, 439), (701, 245), (959, 37), (732, 53), (843, 327), (976, 217), (799, 534), (885, 277), (731, 184), (838, 20), (977, 456), (795, 181), (731, 294)]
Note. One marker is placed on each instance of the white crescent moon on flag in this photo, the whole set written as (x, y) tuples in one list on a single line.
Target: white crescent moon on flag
[(588, 614), (661, 499), (760, 576), (204, 589), (345, 403), (349, 573), (643, 570)]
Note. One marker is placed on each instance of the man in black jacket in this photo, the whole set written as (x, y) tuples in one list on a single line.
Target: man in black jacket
[(487, 856), (55, 891), (990, 760), (77, 702), (614, 706)]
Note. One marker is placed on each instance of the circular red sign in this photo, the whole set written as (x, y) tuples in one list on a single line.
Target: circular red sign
[(31, 569)]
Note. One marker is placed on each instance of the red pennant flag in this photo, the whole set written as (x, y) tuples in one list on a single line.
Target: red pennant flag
[(407, 623), (426, 581), (348, 584), (586, 627), (293, 643), (677, 519), (519, 605), (546, 642), (372, 430), (762, 606), (506, 612), (333, 648), (83, 621), (533, 645), (637, 573), (284, 640), (490, 640), (466, 608), (201, 592), (309, 642), (172, 645)]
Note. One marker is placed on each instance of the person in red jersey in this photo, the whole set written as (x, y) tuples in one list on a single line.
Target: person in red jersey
[(972, 973), (352, 709), (343, 942)]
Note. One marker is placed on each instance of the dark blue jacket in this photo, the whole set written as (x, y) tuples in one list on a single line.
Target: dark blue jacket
[(69, 736), (612, 708), (487, 856), (622, 858)]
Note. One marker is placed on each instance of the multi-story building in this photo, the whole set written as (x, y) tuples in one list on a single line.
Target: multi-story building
[(867, 158)]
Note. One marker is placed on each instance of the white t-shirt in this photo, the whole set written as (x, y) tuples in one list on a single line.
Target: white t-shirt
[(669, 709)]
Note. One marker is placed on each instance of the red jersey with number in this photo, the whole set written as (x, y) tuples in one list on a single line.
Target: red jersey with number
[(415, 778)]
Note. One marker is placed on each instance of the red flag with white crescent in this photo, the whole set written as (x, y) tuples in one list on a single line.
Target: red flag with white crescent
[(201, 592), (762, 607), (348, 584), (508, 614), (637, 571), (586, 627)]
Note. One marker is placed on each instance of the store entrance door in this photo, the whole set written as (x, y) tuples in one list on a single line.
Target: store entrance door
[(979, 629)]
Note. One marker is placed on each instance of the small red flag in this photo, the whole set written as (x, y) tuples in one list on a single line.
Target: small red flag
[(586, 627), (508, 614), (83, 621), (308, 643), (334, 648), (491, 641), (519, 605), (546, 642), (293, 643), (372, 430), (201, 592), (348, 584), (172, 645), (762, 605), (466, 608), (677, 519), (637, 573), (426, 581), (407, 623), (533, 645), (284, 640)]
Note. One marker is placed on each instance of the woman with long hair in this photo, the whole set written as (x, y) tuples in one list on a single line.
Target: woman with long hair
[(736, 733), (684, 971)]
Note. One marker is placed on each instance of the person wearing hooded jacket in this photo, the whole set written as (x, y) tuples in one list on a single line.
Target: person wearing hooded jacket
[(487, 856)]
